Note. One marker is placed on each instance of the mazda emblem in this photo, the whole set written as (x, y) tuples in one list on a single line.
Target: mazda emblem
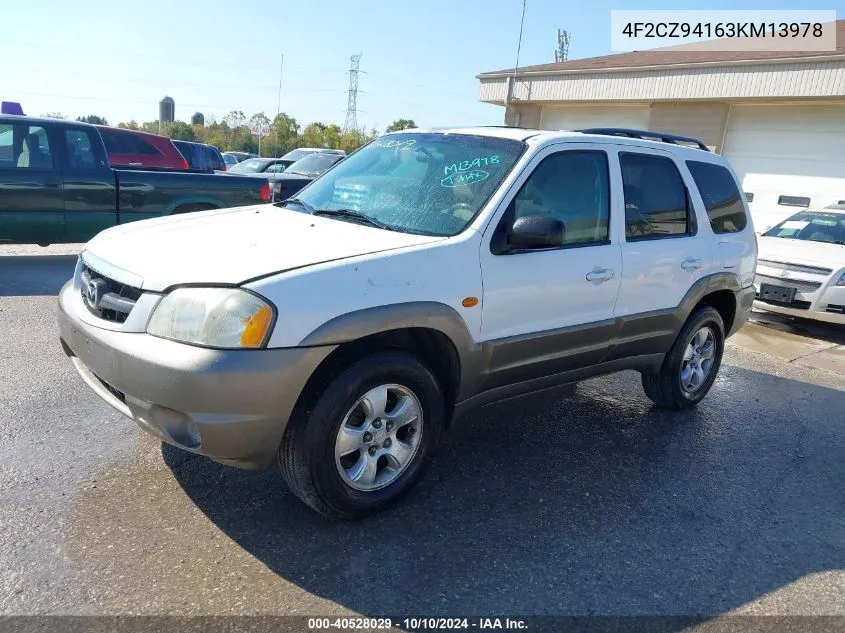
[(93, 293)]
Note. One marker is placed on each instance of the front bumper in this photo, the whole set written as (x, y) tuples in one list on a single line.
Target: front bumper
[(230, 405), (815, 315)]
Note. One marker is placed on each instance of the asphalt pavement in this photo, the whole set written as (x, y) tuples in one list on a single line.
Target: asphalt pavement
[(576, 501)]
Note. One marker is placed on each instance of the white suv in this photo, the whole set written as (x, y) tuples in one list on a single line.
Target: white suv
[(430, 272)]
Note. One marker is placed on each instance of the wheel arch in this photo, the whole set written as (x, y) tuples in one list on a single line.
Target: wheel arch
[(433, 332)]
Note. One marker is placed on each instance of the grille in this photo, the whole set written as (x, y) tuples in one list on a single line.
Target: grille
[(106, 298), (803, 286), (798, 268)]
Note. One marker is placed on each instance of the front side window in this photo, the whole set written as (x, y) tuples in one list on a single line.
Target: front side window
[(655, 198), (573, 188), (430, 183), (80, 150), (721, 196), (812, 226), (24, 147)]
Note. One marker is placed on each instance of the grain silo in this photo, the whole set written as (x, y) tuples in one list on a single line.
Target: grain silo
[(166, 110), (198, 119)]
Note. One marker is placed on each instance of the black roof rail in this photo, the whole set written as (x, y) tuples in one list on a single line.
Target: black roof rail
[(646, 135)]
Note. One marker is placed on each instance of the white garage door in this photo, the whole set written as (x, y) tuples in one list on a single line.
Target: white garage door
[(787, 157), (579, 117)]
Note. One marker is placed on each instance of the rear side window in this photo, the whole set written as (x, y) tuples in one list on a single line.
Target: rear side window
[(123, 143), (721, 196), (655, 198), (216, 159)]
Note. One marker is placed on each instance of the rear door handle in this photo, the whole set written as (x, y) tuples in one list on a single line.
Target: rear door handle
[(600, 275), (691, 263), (135, 164)]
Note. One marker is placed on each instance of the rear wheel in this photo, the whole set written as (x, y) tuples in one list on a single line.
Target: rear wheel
[(691, 366), (367, 439)]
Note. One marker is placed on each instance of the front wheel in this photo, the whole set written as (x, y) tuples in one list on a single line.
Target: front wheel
[(367, 439), (691, 366)]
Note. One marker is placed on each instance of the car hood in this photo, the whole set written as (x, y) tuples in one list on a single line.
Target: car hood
[(787, 250), (231, 246)]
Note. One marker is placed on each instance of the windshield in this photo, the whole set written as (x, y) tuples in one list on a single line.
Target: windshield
[(426, 183), (813, 226), (296, 154), (249, 166), (313, 164)]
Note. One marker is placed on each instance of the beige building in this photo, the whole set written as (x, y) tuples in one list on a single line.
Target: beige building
[(778, 117)]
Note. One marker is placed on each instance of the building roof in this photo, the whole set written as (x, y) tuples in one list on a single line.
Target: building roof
[(674, 56)]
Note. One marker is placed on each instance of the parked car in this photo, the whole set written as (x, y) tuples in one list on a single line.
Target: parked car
[(801, 266), (230, 160), (56, 185), (300, 173), (201, 157), (132, 148), (262, 166), (302, 152), (428, 273), (239, 156)]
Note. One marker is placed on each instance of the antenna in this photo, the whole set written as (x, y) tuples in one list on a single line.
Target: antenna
[(519, 44), (279, 105), (562, 50), (351, 122)]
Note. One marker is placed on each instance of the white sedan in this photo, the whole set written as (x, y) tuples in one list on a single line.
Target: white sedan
[(801, 266)]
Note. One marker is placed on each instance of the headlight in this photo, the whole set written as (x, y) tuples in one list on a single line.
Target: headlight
[(216, 317), (841, 280)]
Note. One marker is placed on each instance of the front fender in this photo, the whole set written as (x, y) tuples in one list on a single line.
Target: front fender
[(418, 314)]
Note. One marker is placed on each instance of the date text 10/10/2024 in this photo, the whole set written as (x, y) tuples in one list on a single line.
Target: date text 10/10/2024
[(417, 624)]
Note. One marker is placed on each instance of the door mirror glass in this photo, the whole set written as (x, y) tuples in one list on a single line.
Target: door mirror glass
[(536, 232)]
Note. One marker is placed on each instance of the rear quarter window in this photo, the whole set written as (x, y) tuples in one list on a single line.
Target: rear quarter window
[(123, 143), (721, 196)]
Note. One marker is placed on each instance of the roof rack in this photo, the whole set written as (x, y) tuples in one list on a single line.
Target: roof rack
[(646, 136)]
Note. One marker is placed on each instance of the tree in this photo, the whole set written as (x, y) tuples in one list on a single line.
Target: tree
[(235, 119), (53, 115), (401, 124), (284, 131), (331, 136), (351, 140), (93, 119), (312, 135), (181, 131), (130, 125)]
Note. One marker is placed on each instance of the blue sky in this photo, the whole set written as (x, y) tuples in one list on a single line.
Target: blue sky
[(117, 59)]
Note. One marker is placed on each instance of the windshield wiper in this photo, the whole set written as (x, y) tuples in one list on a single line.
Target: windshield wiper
[(355, 216), (295, 201)]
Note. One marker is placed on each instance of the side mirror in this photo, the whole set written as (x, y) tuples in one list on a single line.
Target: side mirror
[(535, 232)]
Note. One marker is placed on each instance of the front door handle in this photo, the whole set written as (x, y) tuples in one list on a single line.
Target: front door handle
[(690, 263), (600, 275)]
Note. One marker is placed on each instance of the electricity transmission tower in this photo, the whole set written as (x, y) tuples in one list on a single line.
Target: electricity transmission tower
[(562, 50), (351, 122)]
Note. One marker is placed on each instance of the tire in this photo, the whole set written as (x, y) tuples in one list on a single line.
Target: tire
[(308, 455), (666, 388)]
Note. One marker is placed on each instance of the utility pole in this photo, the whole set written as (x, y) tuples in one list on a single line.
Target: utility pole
[(351, 122)]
